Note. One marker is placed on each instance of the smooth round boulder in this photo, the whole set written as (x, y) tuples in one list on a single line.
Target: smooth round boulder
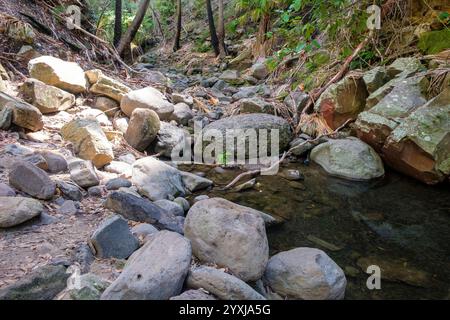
[(348, 158), (229, 235), (305, 274), (16, 210)]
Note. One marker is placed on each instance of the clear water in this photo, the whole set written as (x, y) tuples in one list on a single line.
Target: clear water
[(397, 223)]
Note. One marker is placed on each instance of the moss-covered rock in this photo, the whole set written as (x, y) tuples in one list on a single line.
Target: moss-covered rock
[(434, 41)]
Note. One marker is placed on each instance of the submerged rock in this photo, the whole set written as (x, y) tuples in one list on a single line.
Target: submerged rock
[(306, 274), (229, 235), (155, 272)]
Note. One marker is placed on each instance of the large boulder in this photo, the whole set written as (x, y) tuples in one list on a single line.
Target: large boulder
[(306, 274), (420, 145), (221, 284), (59, 73), (142, 210), (44, 283), (155, 272), (142, 129), (16, 210), (113, 239), (343, 100), (22, 114), (47, 99), (106, 86), (243, 126), (147, 98), (229, 235), (89, 141), (349, 159), (157, 180), (32, 180)]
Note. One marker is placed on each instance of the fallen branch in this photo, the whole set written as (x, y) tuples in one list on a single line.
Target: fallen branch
[(256, 172)]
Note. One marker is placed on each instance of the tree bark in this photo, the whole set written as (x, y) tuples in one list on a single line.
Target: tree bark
[(117, 22), (176, 43), (129, 35), (212, 28), (261, 36), (221, 31)]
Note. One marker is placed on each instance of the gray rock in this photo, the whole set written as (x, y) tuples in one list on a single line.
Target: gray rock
[(113, 239), (6, 191), (32, 180), (221, 284), (6, 116), (306, 274), (259, 71), (155, 272), (16, 210), (201, 198), (169, 137), (208, 83), (301, 146), (67, 208), (183, 203), (170, 206), (83, 173), (255, 105), (229, 235), (194, 182), (349, 159), (408, 65), (219, 85), (70, 190), (245, 92), (143, 127), (232, 77), (37, 160), (117, 183), (194, 295), (156, 180), (236, 125), (128, 158), (119, 167), (143, 230), (18, 150), (43, 283), (142, 210), (182, 114), (95, 192), (55, 162), (296, 100), (181, 98), (375, 78)]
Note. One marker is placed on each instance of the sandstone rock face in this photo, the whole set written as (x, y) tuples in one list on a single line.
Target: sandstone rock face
[(89, 140), (348, 158), (47, 99), (157, 180), (107, 105), (16, 210), (221, 284), (420, 145), (343, 100), (142, 129), (229, 235), (255, 122), (155, 272), (32, 180), (22, 114), (106, 86), (59, 73), (147, 98), (306, 274)]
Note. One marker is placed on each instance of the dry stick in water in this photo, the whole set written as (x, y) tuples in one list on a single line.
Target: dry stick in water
[(285, 154)]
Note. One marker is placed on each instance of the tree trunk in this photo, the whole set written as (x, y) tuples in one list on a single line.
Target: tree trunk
[(176, 43), (221, 31), (129, 35), (212, 28), (261, 37), (117, 22)]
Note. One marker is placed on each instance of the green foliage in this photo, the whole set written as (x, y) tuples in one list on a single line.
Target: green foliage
[(434, 41)]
